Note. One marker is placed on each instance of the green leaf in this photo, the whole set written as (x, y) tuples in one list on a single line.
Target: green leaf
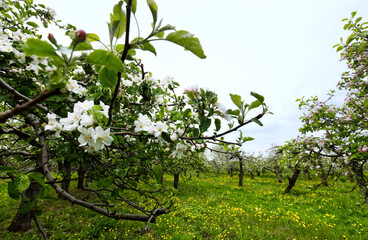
[(107, 59), (247, 139), (146, 47), (188, 41), (22, 182), (38, 177), (92, 37), (195, 132), (237, 100), (33, 24), (98, 116), (166, 137), (39, 48), (6, 169), (153, 7), (107, 77), (160, 35), (191, 95), (257, 121), (233, 112), (255, 104), (258, 96), (217, 124), (86, 45), (13, 191), (157, 171), (205, 123), (118, 20), (29, 206), (353, 14)]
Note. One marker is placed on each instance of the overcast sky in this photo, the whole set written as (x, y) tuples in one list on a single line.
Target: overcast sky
[(281, 49)]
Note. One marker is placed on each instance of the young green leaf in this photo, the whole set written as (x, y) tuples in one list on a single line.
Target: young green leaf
[(118, 20), (153, 7), (39, 48), (38, 177), (217, 124), (13, 191), (255, 104), (237, 100), (107, 59), (91, 37), (107, 77), (258, 96), (188, 41), (257, 121), (22, 182), (205, 123)]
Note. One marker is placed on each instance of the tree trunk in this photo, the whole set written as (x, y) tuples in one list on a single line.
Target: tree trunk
[(361, 180), (278, 174), (258, 173), (292, 180), (66, 170), (231, 172), (323, 175), (241, 174), (81, 174), (217, 172), (22, 222), (176, 180), (251, 174)]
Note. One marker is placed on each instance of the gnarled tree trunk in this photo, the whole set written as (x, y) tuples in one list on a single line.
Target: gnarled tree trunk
[(360, 179), (22, 222), (292, 180)]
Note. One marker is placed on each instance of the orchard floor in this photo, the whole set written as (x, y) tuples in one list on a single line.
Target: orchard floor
[(211, 207)]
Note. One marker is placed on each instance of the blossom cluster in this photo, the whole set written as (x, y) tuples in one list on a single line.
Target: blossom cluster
[(81, 119)]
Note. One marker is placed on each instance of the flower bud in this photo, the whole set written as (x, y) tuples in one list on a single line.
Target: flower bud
[(52, 39), (81, 35)]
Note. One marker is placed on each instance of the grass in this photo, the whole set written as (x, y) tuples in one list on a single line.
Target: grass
[(213, 207)]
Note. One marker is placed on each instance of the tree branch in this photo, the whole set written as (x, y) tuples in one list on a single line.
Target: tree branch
[(123, 57), (21, 108)]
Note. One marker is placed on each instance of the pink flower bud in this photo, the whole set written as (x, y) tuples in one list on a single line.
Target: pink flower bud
[(81, 35), (52, 39)]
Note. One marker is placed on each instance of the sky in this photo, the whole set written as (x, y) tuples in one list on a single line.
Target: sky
[(281, 49)]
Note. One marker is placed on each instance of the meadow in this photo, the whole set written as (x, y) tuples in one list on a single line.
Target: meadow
[(214, 207)]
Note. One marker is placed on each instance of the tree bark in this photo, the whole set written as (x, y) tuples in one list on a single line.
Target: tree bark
[(22, 222), (241, 173), (278, 174), (81, 174), (251, 174), (292, 180), (360, 179), (176, 180), (65, 169)]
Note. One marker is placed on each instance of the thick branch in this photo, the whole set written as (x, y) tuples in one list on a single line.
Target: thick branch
[(19, 95), (21, 108)]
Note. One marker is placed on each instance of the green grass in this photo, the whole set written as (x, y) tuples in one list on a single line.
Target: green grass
[(213, 207)]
